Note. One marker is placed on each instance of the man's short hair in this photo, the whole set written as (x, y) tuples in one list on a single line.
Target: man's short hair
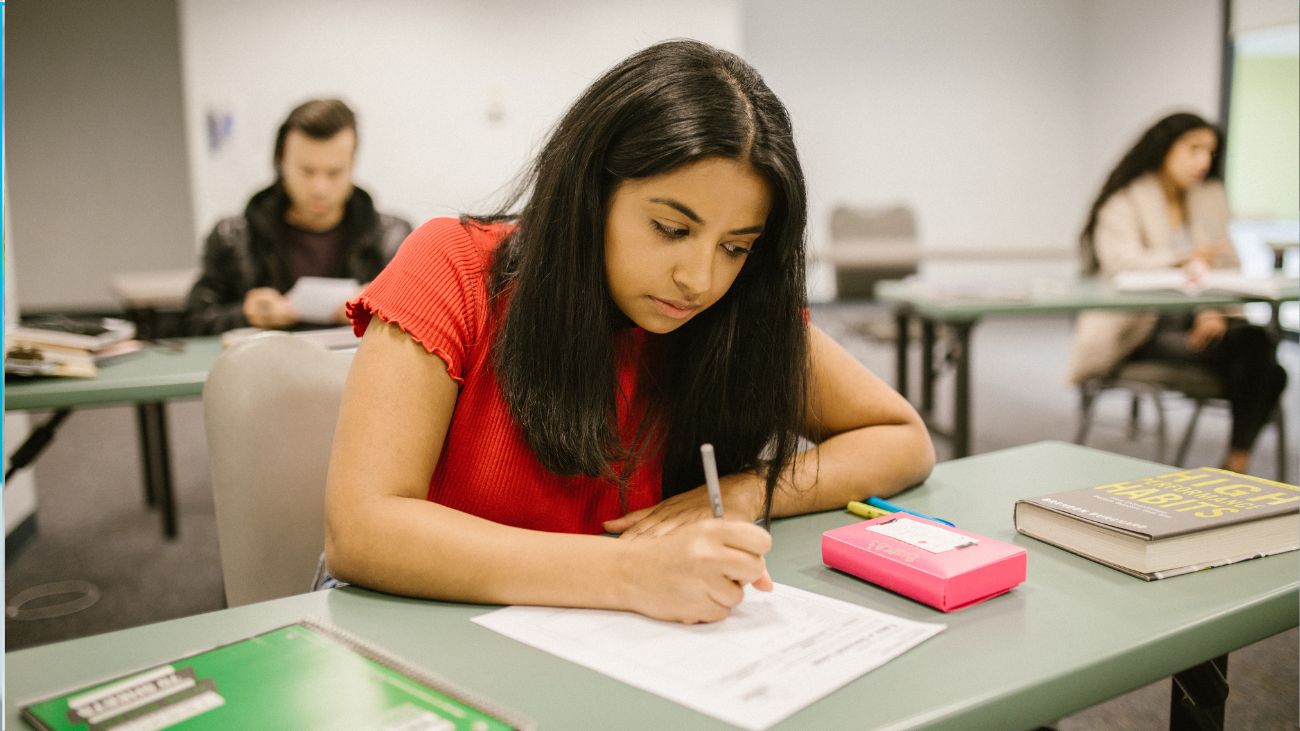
[(319, 119)]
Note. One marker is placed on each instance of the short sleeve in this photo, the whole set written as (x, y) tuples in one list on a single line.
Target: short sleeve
[(435, 290)]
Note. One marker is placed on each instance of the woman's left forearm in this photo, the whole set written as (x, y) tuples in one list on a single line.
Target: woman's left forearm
[(876, 460)]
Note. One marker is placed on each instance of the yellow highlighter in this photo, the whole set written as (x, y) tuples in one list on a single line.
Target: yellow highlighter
[(866, 511)]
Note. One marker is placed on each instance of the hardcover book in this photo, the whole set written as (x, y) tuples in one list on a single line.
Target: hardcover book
[(1170, 524), (944, 567), (304, 676)]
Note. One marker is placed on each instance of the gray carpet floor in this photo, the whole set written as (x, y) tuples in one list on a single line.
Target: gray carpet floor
[(94, 526)]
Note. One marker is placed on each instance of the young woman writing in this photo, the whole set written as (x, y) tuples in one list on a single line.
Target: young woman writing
[(527, 382), (1164, 206)]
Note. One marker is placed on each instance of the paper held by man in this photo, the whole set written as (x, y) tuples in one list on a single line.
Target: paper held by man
[(319, 300)]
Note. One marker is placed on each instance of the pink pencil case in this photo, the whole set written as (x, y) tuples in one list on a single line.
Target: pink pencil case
[(947, 568)]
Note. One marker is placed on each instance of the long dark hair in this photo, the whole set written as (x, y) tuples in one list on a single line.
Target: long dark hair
[(734, 375), (1146, 156)]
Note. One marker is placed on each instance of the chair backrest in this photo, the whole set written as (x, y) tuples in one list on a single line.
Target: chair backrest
[(890, 222), (871, 244), (270, 405)]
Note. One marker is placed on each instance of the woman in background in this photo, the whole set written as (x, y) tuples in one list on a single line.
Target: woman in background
[(525, 383), (1164, 206)]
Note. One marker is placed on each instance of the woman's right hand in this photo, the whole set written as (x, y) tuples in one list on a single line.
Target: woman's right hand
[(697, 573)]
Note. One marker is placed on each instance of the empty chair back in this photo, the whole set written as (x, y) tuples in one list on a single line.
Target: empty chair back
[(270, 405), (869, 245), (887, 223)]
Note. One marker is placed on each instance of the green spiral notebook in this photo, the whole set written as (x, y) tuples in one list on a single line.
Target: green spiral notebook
[(306, 675)]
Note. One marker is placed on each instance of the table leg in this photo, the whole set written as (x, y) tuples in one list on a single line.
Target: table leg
[(157, 462), (35, 443), (961, 397), (1275, 322), (142, 422), (927, 367), (902, 327), (1198, 696)]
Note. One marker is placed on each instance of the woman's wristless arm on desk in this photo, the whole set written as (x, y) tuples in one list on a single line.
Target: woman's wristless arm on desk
[(381, 532), (870, 441)]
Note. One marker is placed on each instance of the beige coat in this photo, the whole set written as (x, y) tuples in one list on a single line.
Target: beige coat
[(1133, 232)]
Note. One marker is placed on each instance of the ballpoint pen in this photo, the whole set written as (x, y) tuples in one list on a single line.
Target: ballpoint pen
[(886, 505), (715, 498), (711, 479)]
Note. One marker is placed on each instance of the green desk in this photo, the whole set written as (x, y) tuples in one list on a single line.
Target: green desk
[(1075, 634), (960, 311), (147, 380)]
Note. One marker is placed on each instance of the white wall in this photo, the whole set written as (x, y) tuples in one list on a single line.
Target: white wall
[(1144, 60), (995, 119), (94, 146), (1248, 15), (424, 77), (969, 111)]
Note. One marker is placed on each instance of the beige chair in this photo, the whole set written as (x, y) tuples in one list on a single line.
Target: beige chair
[(868, 245), (270, 404), (1153, 380)]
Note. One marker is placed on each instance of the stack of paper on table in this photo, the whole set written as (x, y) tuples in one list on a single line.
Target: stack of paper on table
[(1213, 281), (67, 346), (965, 288)]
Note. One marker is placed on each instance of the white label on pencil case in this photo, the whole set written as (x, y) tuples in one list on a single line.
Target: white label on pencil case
[(926, 536)]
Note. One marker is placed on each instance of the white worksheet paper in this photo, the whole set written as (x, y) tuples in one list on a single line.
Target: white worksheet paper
[(319, 299), (776, 653)]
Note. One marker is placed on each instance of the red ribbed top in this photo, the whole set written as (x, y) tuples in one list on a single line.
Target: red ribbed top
[(435, 290)]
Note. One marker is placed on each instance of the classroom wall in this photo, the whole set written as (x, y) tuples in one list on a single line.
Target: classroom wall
[(1249, 15), (957, 109), (993, 119), (1264, 136), (1143, 60), (453, 96), (94, 146), (1264, 132)]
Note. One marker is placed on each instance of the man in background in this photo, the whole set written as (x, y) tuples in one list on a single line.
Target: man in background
[(312, 221)]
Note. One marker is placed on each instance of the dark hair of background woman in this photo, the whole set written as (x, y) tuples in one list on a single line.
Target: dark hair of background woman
[(735, 374), (1147, 155)]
